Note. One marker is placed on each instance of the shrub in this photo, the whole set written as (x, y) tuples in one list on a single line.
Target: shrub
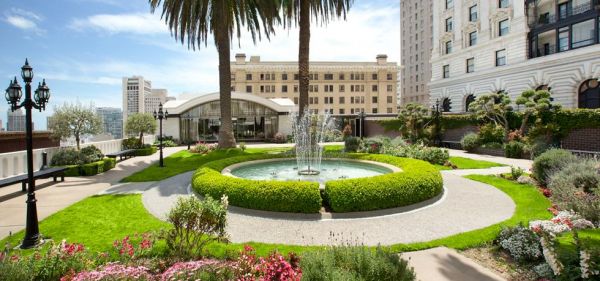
[(279, 138), (278, 196), (417, 182), (347, 132), (145, 151), (514, 149), (195, 223), (516, 172), (67, 156), (91, 153), (242, 146), (521, 243), (351, 144), (166, 143), (332, 135), (109, 163), (373, 145), (434, 155), (549, 162), (491, 133), (92, 169), (131, 143), (470, 142), (355, 263), (577, 187), (203, 148)]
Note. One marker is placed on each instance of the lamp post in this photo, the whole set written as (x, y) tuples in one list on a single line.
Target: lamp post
[(41, 97), (361, 118), (160, 115), (435, 111)]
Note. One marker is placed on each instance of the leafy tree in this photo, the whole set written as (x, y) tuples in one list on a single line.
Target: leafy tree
[(299, 13), (140, 123), (534, 103), (493, 107), (74, 120), (192, 21), (414, 118)]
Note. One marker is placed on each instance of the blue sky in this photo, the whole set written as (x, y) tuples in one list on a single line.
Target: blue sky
[(84, 47)]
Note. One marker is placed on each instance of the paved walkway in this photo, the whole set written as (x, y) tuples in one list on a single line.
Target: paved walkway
[(524, 164), (53, 197)]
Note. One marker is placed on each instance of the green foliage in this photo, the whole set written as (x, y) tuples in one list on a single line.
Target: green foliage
[(490, 133), (140, 124), (493, 108), (514, 149), (91, 153), (74, 120), (92, 169), (413, 119), (67, 156), (533, 103), (351, 144), (109, 163), (145, 151), (166, 143), (516, 172), (195, 224), (280, 196), (417, 182), (470, 142), (242, 146), (521, 243), (458, 121), (549, 162), (433, 155), (131, 143), (355, 263), (577, 187)]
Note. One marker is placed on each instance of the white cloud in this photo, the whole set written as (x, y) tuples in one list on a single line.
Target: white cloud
[(139, 23), (24, 20)]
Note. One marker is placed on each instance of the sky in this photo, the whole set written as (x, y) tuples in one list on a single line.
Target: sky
[(83, 48)]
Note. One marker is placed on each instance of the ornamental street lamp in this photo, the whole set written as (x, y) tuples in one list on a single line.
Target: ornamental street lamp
[(361, 118), (435, 112), (39, 101), (160, 115)]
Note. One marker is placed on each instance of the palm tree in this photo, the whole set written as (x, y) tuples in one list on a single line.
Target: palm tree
[(298, 13), (192, 21)]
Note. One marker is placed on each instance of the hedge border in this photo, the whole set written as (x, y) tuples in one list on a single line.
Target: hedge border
[(146, 151), (417, 182), (90, 169)]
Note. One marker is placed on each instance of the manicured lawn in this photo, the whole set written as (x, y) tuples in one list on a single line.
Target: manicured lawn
[(97, 221), (468, 163), (530, 205)]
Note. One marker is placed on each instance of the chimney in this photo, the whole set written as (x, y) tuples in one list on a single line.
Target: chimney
[(240, 58), (255, 59), (381, 59)]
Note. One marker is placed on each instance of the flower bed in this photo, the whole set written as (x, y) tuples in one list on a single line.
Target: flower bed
[(417, 182)]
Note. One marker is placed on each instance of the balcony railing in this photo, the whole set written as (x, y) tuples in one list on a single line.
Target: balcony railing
[(552, 18)]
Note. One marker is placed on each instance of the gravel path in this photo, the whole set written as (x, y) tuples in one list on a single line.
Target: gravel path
[(466, 205)]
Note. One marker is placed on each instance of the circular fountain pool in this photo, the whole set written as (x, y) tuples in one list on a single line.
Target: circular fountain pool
[(286, 170)]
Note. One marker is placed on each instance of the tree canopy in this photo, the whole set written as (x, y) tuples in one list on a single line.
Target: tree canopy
[(140, 124), (74, 120)]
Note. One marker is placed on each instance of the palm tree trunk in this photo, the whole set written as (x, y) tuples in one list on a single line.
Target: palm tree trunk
[(303, 55), (222, 39)]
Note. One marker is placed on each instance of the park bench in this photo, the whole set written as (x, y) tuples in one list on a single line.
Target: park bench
[(127, 153), (452, 144), (53, 172)]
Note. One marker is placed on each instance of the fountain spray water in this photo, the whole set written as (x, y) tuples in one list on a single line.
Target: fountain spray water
[(308, 135)]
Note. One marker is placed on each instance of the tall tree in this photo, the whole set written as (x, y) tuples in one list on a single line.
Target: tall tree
[(74, 120), (140, 124), (192, 21), (299, 13), (534, 103)]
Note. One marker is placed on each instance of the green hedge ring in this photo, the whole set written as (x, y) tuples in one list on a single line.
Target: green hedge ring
[(417, 182)]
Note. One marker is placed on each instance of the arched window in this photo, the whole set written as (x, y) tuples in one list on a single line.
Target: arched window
[(589, 94), (446, 105), (470, 98), (542, 87)]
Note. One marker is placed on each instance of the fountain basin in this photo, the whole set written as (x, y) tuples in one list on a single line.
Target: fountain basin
[(286, 170)]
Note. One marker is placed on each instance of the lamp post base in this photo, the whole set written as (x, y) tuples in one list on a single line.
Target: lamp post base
[(32, 242)]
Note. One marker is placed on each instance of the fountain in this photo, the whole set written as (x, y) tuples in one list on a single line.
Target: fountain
[(308, 134)]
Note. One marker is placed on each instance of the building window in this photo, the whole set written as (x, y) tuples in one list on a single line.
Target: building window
[(374, 110), (374, 88), (389, 76), (473, 13), (563, 39), (446, 71), (284, 76), (249, 76), (470, 99), (390, 88), (446, 105), (449, 24), (341, 111), (342, 77), (284, 89), (448, 47), (295, 88), (583, 34), (296, 100), (471, 65), (328, 76), (502, 3), (342, 88), (589, 94), (373, 99), (296, 76), (390, 99), (501, 57), (503, 27), (342, 100), (374, 76), (389, 110), (473, 38), (248, 89), (449, 4)]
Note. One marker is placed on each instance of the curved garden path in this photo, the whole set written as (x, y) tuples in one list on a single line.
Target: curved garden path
[(466, 205)]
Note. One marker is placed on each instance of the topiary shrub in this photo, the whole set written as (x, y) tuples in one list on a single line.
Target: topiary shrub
[(91, 153), (67, 156), (469, 142), (131, 143), (145, 151), (550, 162), (351, 144), (514, 149), (491, 133), (577, 187), (92, 169), (521, 243), (109, 163)]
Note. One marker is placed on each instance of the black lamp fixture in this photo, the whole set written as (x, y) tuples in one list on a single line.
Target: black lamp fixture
[(40, 99), (361, 117), (160, 115)]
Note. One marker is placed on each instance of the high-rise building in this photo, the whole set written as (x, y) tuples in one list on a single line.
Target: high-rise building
[(490, 46), (156, 97), (339, 88), (16, 121), (139, 97), (112, 119), (416, 34)]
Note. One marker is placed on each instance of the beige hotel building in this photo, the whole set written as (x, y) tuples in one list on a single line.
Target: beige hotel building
[(337, 88)]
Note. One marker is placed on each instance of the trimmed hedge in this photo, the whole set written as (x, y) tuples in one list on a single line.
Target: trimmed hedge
[(417, 182), (90, 169), (145, 151), (267, 195)]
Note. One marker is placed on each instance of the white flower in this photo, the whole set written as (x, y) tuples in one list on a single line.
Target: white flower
[(582, 224), (551, 257)]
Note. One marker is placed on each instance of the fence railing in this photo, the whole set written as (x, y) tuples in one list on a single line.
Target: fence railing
[(15, 163)]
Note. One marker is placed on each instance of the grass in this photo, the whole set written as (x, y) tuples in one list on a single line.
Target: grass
[(96, 222), (468, 163)]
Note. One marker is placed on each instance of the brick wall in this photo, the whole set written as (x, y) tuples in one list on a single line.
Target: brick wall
[(456, 134), (15, 141), (587, 139)]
